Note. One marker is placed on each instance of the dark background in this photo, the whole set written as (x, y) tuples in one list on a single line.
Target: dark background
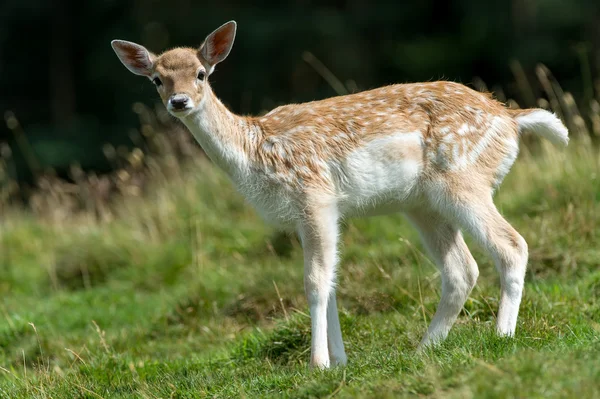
[(70, 94)]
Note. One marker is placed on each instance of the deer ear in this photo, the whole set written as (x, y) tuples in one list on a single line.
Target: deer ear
[(217, 45), (135, 57)]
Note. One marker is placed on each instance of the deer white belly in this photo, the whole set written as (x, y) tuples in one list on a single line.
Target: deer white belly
[(380, 177)]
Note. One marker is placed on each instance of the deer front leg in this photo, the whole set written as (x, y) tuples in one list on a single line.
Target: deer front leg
[(337, 354), (319, 240)]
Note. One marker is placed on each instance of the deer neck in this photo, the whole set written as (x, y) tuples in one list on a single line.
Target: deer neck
[(226, 138)]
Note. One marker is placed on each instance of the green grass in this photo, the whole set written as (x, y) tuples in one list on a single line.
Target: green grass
[(177, 297)]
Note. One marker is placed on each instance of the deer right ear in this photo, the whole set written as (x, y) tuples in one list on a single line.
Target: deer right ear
[(135, 57)]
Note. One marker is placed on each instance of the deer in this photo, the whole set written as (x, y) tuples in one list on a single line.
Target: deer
[(435, 152)]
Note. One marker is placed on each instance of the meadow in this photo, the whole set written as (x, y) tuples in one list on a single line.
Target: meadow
[(177, 289)]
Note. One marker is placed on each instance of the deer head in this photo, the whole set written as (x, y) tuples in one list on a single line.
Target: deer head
[(180, 75)]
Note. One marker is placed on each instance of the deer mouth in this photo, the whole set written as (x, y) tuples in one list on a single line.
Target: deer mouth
[(180, 112)]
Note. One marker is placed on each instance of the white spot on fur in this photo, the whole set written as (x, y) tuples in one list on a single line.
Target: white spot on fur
[(464, 128), (498, 125)]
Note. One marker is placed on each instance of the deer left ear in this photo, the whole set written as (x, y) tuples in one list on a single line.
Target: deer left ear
[(135, 57), (217, 45)]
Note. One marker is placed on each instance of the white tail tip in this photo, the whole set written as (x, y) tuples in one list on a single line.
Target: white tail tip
[(545, 124)]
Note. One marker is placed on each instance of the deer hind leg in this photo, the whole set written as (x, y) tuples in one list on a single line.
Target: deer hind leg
[(458, 269), (318, 233), (476, 213)]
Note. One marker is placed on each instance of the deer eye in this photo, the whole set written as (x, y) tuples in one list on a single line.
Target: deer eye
[(157, 82), (201, 75)]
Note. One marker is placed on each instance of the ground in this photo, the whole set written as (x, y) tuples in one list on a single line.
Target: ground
[(187, 293)]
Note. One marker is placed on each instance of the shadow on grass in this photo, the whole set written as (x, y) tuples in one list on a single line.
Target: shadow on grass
[(287, 343)]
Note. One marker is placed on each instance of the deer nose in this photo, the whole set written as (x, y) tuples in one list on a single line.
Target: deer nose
[(178, 101)]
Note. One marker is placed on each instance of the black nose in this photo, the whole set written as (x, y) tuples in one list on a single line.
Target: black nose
[(179, 101)]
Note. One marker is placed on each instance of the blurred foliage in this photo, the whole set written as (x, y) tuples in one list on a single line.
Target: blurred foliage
[(70, 95)]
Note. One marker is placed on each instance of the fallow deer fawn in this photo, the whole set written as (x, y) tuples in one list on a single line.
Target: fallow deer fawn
[(434, 151)]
